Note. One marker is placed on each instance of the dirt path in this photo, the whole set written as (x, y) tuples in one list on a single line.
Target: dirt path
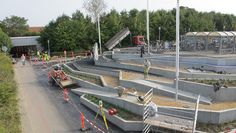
[(128, 75), (168, 68)]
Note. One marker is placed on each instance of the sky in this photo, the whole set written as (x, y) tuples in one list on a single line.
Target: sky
[(41, 12)]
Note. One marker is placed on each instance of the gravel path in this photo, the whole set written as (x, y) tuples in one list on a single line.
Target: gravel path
[(42, 107)]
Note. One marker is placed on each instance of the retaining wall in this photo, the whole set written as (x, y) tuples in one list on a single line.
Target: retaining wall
[(223, 61), (210, 63), (135, 108), (99, 72), (223, 95), (166, 73), (88, 85), (118, 121), (85, 74), (205, 116)]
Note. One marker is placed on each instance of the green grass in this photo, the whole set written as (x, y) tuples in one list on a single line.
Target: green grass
[(127, 115), (9, 113)]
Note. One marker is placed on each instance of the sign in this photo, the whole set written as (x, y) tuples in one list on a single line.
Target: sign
[(4, 48)]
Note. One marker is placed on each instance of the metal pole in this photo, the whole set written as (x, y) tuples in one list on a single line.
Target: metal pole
[(148, 39), (99, 35), (159, 34), (177, 50), (48, 48), (196, 113)]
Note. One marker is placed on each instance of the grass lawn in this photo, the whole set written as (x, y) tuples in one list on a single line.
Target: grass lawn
[(9, 111)]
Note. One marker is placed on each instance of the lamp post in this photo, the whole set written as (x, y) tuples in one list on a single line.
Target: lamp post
[(48, 48), (99, 34), (148, 39), (177, 50), (159, 34)]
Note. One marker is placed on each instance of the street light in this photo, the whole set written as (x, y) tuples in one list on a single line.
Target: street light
[(99, 34), (159, 34), (148, 39), (177, 50)]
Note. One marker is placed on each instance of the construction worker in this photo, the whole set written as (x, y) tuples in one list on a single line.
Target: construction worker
[(142, 51), (45, 56), (147, 66), (38, 54)]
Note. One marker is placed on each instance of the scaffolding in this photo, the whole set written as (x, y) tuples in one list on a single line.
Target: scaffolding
[(219, 42)]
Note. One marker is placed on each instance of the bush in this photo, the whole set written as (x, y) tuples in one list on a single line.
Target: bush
[(9, 113)]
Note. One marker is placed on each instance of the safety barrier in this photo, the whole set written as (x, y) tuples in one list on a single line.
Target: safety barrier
[(67, 98)]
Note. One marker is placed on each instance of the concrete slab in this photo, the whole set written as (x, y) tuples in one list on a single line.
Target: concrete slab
[(172, 90)]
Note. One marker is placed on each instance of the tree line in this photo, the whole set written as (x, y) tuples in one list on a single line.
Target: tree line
[(79, 32)]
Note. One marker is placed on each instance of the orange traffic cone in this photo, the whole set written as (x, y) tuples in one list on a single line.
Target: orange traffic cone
[(35, 61), (66, 94), (49, 76), (83, 129)]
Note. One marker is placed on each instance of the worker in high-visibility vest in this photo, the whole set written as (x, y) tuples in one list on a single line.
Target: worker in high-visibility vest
[(147, 66), (38, 54), (46, 56)]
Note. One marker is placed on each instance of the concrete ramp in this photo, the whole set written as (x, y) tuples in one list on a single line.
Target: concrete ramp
[(117, 38), (167, 91)]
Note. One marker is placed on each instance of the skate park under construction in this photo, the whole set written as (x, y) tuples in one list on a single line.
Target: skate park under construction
[(206, 88)]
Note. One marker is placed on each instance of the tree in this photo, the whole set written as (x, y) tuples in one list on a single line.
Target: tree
[(76, 33), (95, 8), (79, 31), (15, 26), (5, 40)]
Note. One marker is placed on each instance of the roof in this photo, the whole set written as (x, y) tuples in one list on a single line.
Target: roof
[(191, 33), (202, 34), (217, 33), (25, 41), (230, 34), (35, 29)]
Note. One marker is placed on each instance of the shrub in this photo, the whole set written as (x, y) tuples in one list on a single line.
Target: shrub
[(9, 112)]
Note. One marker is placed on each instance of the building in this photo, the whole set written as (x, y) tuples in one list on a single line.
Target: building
[(24, 45), (35, 29), (219, 42)]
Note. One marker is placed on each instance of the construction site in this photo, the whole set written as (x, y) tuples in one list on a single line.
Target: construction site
[(171, 79), (113, 86)]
